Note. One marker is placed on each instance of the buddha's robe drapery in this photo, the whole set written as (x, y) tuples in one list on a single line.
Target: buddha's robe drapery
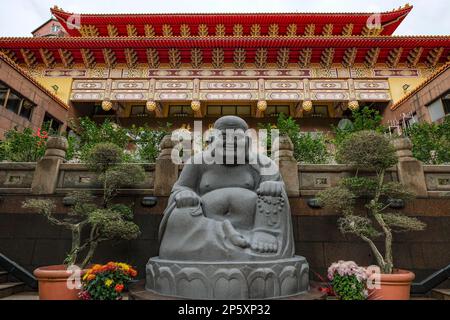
[(198, 233)]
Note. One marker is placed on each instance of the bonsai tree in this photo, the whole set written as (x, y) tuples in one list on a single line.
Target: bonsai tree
[(103, 222), (370, 150)]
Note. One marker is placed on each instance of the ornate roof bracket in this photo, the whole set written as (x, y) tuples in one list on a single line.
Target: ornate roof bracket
[(327, 30), (89, 31), (434, 56), (110, 58), (371, 58), (88, 58), (10, 54), (112, 31), (274, 29), (29, 58), (220, 30), (196, 58), (309, 30), (394, 57), (255, 30), (414, 57), (283, 58), (239, 58), (131, 57), (347, 30), (149, 31), (167, 30), (304, 59), (349, 57), (218, 58), (48, 58), (291, 30), (238, 30), (131, 30), (153, 58), (261, 58), (185, 30), (203, 30), (174, 58), (326, 60)]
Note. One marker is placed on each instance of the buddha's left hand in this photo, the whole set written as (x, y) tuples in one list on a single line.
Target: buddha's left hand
[(270, 189)]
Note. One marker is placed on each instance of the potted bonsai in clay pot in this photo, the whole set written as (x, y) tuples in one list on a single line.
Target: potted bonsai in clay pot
[(99, 220), (372, 151)]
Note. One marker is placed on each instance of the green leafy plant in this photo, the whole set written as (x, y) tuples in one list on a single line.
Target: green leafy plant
[(431, 141), (308, 148), (23, 146), (148, 140), (369, 150), (102, 223), (362, 119)]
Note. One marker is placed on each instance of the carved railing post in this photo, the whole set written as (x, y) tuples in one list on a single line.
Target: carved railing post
[(283, 155), (166, 171), (46, 174), (409, 169)]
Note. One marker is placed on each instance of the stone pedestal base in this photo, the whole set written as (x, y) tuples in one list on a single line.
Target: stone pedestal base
[(228, 280)]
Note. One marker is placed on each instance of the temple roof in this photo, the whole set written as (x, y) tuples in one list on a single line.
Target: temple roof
[(326, 50), (104, 25)]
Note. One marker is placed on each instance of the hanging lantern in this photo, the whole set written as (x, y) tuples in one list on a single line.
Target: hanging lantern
[(196, 106), (151, 106), (107, 105), (307, 105), (262, 105), (353, 105)]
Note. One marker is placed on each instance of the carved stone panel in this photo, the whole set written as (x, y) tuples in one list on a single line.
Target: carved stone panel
[(284, 95), (211, 96), (374, 96), (130, 85), (328, 85), (89, 85), (174, 85), (284, 85), (228, 85)]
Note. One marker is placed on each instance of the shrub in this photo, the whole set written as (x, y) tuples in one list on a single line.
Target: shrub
[(102, 223), (23, 146), (431, 141), (308, 148), (370, 150), (362, 119)]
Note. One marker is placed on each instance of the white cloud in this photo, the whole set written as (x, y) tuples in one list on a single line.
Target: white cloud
[(20, 17)]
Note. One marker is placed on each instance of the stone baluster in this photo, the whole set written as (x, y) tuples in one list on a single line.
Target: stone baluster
[(166, 171), (46, 175), (409, 169), (283, 155)]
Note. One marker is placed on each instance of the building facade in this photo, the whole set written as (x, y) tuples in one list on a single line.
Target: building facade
[(26, 103), (152, 68)]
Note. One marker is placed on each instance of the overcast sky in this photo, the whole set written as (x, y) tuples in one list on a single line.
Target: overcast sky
[(19, 17)]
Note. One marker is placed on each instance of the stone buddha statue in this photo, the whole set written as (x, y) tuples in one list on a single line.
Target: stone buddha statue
[(227, 217)]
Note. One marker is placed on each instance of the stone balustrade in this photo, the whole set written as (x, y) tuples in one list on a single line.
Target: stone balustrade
[(52, 176)]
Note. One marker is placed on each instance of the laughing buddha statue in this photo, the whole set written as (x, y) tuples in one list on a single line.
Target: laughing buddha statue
[(229, 218)]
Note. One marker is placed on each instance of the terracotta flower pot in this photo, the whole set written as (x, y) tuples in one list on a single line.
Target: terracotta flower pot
[(53, 283), (395, 286)]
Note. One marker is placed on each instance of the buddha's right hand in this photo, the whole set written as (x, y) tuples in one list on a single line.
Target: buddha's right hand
[(187, 199)]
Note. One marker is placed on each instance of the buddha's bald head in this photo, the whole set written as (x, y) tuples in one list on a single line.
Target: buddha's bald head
[(230, 122)]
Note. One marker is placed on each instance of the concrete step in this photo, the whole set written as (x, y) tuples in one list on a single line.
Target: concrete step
[(3, 276), (441, 294), (9, 288)]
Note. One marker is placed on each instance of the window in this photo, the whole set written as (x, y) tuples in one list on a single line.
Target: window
[(3, 94), (275, 111), (436, 110), (318, 112), (14, 102), (55, 28), (180, 111), (446, 103), (217, 111), (51, 124), (27, 109)]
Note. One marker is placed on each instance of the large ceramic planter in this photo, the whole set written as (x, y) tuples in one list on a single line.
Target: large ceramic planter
[(394, 286), (53, 283)]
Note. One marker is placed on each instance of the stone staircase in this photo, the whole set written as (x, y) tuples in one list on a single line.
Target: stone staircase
[(9, 286)]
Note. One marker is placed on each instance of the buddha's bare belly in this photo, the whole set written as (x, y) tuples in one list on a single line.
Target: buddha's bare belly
[(237, 205)]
